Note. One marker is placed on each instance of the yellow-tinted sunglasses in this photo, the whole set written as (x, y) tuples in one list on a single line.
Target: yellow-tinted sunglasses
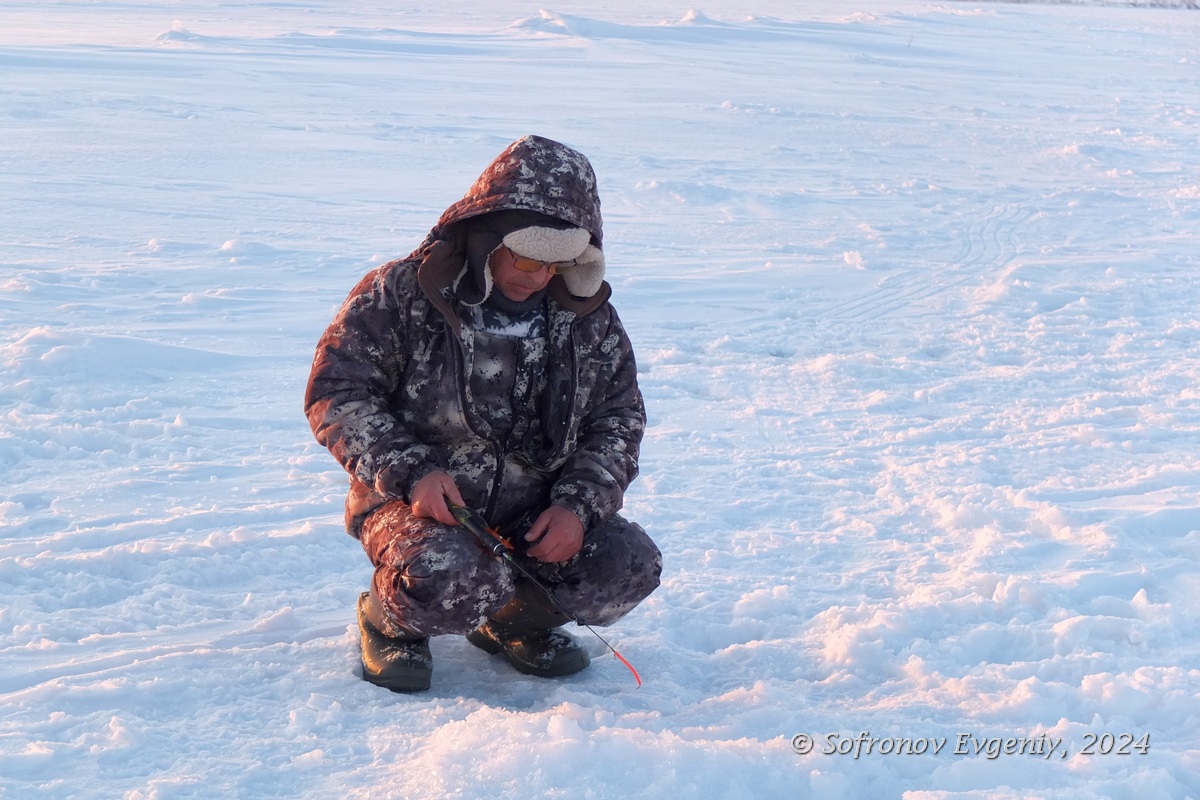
[(533, 265)]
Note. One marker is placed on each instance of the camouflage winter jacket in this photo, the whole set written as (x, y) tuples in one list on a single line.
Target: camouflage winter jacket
[(390, 395)]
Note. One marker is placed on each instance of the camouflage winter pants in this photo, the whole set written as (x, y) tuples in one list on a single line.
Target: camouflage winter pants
[(433, 579)]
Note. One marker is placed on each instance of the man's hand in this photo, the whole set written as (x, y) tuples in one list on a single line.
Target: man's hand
[(558, 533), (430, 494)]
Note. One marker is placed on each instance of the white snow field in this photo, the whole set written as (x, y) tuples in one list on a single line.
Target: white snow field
[(914, 291)]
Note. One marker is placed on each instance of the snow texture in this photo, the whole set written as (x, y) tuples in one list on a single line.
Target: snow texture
[(913, 288)]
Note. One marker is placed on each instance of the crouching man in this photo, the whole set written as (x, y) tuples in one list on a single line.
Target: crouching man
[(489, 370)]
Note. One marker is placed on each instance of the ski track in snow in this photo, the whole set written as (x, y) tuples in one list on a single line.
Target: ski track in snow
[(913, 291)]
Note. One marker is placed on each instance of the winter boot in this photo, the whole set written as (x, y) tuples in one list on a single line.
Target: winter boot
[(528, 636), (391, 656)]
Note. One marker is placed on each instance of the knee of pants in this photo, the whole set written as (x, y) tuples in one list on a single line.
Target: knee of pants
[(645, 570), (625, 568), (434, 590), (642, 556)]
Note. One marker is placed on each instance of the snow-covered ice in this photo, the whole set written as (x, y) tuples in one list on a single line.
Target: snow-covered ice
[(913, 288)]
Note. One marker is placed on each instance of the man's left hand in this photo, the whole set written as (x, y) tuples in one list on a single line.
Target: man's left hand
[(558, 533)]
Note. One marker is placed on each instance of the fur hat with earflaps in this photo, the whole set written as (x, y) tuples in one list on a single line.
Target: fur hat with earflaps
[(540, 243), (532, 235)]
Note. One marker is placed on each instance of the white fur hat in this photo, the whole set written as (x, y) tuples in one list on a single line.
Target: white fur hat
[(567, 244)]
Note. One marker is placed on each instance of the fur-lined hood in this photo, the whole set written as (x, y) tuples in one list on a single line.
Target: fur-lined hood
[(533, 174)]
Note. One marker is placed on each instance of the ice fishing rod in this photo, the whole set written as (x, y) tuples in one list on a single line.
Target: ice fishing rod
[(495, 544)]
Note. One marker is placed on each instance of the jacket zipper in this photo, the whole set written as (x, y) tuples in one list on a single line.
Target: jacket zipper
[(494, 444)]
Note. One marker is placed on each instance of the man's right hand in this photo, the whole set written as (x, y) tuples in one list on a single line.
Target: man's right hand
[(429, 498)]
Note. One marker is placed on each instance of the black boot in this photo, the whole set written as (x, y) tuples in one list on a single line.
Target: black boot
[(527, 633), (392, 657)]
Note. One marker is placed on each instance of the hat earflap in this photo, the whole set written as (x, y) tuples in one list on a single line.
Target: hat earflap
[(588, 275)]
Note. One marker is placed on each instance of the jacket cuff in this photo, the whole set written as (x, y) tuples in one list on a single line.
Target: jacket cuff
[(578, 506), (396, 480)]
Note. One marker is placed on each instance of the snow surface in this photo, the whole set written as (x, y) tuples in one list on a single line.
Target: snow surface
[(913, 288)]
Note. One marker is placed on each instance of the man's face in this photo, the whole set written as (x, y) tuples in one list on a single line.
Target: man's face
[(512, 282)]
